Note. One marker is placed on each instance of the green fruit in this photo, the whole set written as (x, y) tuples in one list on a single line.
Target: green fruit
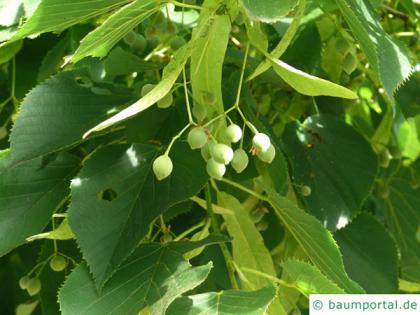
[(171, 28), (58, 263), (305, 191), (177, 42), (23, 282), (233, 133), (197, 138), (267, 156), (166, 238), (130, 38), (349, 63), (240, 160), (262, 225), (146, 89), (383, 190), (34, 286), (162, 167), (384, 158), (415, 183), (257, 215), (166, 101), (215, 170), (140, 43), (261, 142), (159, 18), (342, 46), (222, 153), (152, 41)]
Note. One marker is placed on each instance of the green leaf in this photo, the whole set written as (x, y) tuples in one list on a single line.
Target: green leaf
[(308, 84), (169, 77), (57, 15), (387, 58), (308, 279), (403, 219), (99, 42), (207, 58), (230, 302), (55, 114), (322, 153), (121, 62), (30, 192), (286, 40), (268, 11), (369, 254), (248, 246), (151, 279), (8, 51), (408, 98), (116, 197), (315, 240)]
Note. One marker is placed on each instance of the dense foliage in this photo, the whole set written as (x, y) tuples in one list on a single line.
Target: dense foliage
[(227, 156)]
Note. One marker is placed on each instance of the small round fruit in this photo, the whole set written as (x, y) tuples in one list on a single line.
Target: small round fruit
[(166, 101), (233, 133), (384, 158), (383, 190), (159, 18), (130, 38), (171, 28), (268, 156), (305, 191), (166, 238), (222, 153), (349, 63), (261, 142), (140, 43), (177, 42), (152, 41), (215, 170), (58, 263), (342, 46), (23, 282), (34, 286), (205, 152), (162, 167), (415, 183), (197, 138), (147, 88), (240, 160)]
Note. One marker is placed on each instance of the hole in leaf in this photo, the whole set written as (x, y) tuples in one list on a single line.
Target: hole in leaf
[(107, 194)]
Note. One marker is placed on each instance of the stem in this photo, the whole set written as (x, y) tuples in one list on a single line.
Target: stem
[(187, 99), (243, 188), (191, 229), (176, 138), (267, 276), (185, 5), (228, 258), (241, 79)]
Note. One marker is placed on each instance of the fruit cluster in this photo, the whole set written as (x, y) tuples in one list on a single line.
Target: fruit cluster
[(218, 155)]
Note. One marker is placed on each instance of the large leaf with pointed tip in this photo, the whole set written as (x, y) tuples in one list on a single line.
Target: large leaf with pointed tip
[(116, 197), (308, 84), (29, 194), (315, 240), (150, 279), (170, 74), (268, 11), (403, 220), (322, 153), (388, 59), (232, 302), (100, 41), (57, 15), (248, 246), (307, 278), (207, 59), (55, 114), (369, 254)]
